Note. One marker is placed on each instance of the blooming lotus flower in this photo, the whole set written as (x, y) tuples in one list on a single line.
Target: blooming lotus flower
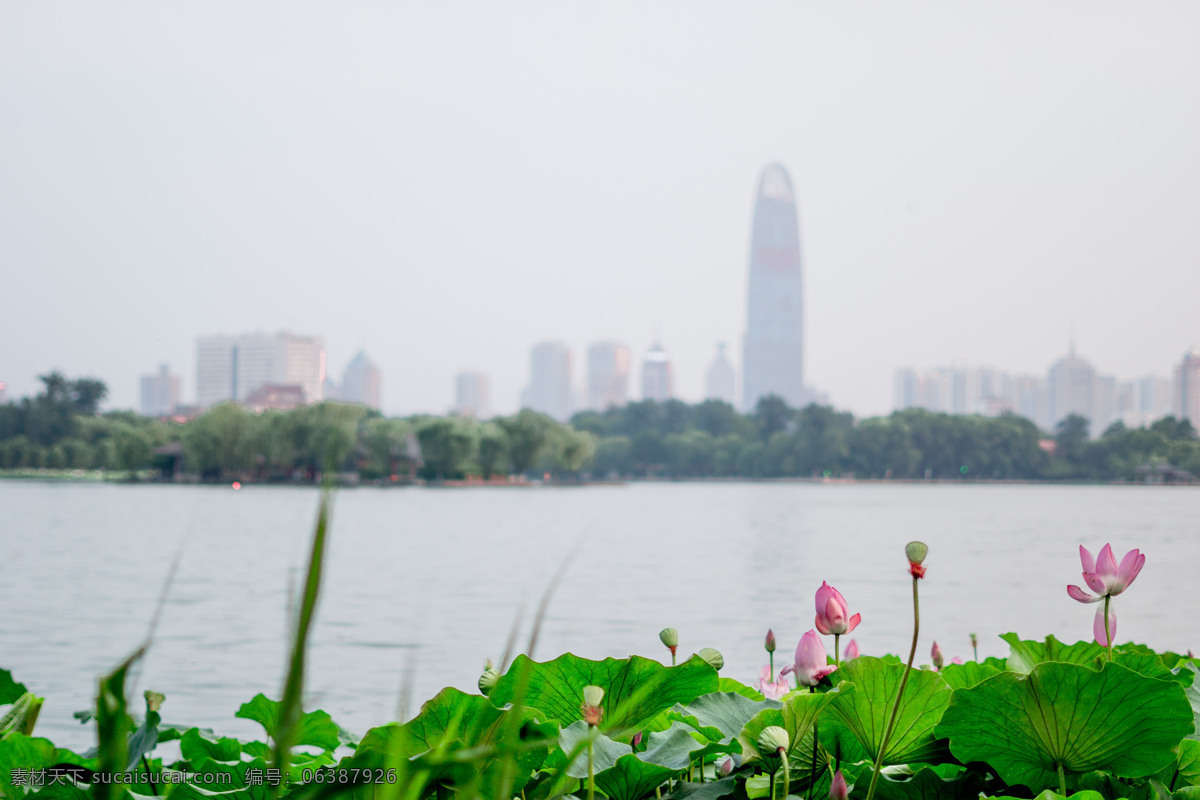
[(1104, 575), (1098, 625), (837, 787), (851, 650), (772, 690), (812, 662), (833, 615)]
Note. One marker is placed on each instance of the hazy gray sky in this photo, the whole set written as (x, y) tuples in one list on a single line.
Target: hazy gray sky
[(446, 184)]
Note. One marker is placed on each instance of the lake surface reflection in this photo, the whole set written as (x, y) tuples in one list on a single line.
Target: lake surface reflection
[(422, 585)]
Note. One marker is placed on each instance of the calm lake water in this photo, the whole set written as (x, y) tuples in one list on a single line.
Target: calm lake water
[(422, 584)]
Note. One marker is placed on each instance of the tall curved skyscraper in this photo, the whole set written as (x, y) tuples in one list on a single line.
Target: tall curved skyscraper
[(773, 359)]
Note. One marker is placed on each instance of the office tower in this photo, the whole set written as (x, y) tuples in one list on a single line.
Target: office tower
[(232, 367), (720, 381), (773, 361), (549, 389), (607, 375), (1071, 384), (1187, 389), (159, 393), (471, 392), (657, 383), (906, 389), (361, 382)]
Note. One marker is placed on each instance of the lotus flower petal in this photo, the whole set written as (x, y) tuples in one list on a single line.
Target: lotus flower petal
[(1098, 625), (1082, 596)]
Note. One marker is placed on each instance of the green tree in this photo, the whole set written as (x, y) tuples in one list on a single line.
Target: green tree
[(528, 435), (493, 450), (446, 445)]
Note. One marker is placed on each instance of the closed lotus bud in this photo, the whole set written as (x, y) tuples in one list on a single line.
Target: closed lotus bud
[(725, 767), (837, 787), (773, 740), (916, 552), (637, 739), (487, 681), (938, 658), (974, 640), (713, 657), (669, 637), (770, 642)]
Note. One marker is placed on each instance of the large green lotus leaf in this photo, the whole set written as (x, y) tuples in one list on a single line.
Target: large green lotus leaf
[(796, 715), (1111, 719), (194, 745), (961, 676), (18, 751), (706, 791), (622, 774), (314, 728), (737, 687), (1050, 795), (1025, 654), (1111, 786), (720, 716), (455, 720), (925, 784), (1185, 770), (635, 689), (1193, 696), (860, 718)]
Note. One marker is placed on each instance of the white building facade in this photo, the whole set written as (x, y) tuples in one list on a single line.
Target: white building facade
[(232, 367)]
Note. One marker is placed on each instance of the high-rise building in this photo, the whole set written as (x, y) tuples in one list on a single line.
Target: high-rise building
[(773, 360), (159, 393), (720, 382), (549, 389), (361, 382), (1071, 385), (471, 391), (607, 375), (1187, 389), (232, 367), (657, 382)]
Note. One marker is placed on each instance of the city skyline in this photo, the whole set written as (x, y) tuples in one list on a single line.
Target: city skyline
[(447, 189)]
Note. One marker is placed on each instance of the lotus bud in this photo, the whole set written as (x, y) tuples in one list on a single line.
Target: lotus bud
[(916, 552), (837, 787), (487, 681), (770, 642), (974, 640), (851, 651), (726, 766), (773, 740), (936, 654), (593, 696), (713, 657), (637, 739)]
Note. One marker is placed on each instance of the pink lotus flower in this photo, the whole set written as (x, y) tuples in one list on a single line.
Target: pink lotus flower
[(812, 662), (833, 615), (837, 787), (851, 650), (1104, 575), (772, 690), (936, 655), (1098, 625)]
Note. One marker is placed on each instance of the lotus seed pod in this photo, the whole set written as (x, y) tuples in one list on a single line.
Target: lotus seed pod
[(713, 657), (772, 740), (770, 642), (669, 637), (593, 695), (154, 700), (916, 552)]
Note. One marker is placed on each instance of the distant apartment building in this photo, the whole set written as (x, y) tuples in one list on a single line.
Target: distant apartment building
[(232, 367), (159, 393), (1071, 383), (720, 380), (549, 390), (1187, 389), (471, 395), (361, 382), (607, 376), (658, 382)]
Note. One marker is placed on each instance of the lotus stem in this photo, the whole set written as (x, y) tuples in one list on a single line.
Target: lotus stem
[(787, 776), (836, 638), (912, 653), (1062, 780), (773, 785), (812, 780), (591, 773), (772, 655)]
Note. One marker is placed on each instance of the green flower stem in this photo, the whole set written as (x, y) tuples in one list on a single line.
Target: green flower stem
[(772, 655), (912, 653), (836, 638), (1107, 633), (773, 786), (787, 775), (1062, 777), (812, 782), (591, 773)]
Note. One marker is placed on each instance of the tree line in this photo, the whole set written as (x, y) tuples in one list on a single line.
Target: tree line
[(61, 428)]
